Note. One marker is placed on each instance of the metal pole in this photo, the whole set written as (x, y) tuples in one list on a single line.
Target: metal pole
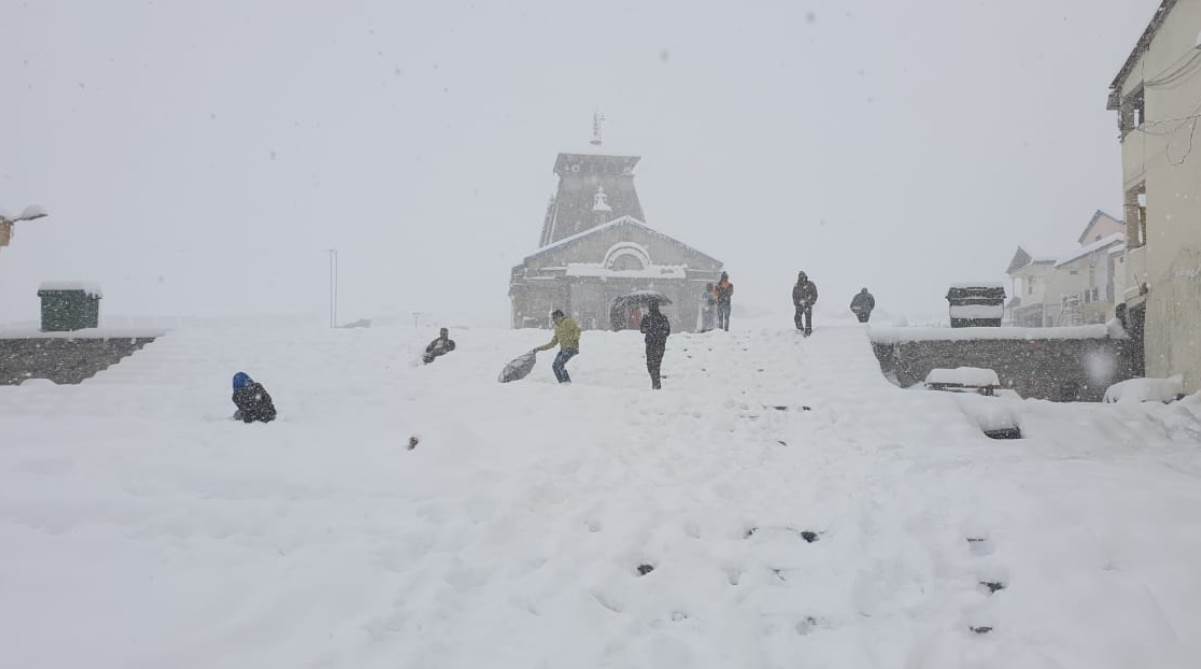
[(332, 286), (335, 287)]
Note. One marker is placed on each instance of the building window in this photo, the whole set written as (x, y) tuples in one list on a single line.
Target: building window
[(1136, 216), (626, 262), (1134, 111)]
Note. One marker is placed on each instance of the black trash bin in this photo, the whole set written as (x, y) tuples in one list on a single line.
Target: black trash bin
[(68, 306), (977, 306)]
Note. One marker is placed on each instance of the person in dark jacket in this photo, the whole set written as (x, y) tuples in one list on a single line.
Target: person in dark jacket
[(862, 304), (724, 293), (804, 296), (252, 400), (439, 347), (656, 329)]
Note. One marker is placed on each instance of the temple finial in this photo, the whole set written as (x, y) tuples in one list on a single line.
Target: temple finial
[(597, 119)]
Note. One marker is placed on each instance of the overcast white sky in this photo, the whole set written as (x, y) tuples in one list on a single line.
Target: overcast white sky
[(197, 157)]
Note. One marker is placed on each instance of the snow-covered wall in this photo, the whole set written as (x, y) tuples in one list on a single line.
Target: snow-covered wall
[(61, 359), (1068, 364)]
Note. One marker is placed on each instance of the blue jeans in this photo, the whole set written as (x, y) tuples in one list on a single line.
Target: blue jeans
[(559, 367)]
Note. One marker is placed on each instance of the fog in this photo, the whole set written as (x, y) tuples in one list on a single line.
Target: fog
[(198, 158)]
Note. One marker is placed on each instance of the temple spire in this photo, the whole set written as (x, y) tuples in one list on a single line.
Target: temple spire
[(597, 119)]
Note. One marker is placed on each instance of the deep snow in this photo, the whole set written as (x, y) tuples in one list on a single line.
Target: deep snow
[(141, 527)]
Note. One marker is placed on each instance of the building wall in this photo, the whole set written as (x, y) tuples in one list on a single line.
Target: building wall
[(1087, 283), (1170, 163), (1061, 370)]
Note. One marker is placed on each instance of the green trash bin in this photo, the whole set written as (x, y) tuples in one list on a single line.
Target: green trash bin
[(68, 306)]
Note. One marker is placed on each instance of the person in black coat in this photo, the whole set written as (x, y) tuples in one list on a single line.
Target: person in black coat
[(252, 400), (656, 329), (862, 304), (439, 347), (804, 296)]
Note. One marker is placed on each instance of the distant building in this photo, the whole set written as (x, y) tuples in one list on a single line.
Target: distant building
[(1157, 94), (1078, 289), (1032, 279), (596, 247)]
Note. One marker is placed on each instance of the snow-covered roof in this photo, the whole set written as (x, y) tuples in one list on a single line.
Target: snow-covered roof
[(1140, 47), (623, 220), (1099, 216), (628, 161), (978, 284), (92, 289), (1100, 244)]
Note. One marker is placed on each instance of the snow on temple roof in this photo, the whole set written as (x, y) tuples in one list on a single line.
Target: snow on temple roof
[(624, 220), (652, 272)]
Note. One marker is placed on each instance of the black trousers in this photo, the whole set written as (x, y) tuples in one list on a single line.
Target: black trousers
[(804, 317), (723, 315), (863, 316), (654, 358)]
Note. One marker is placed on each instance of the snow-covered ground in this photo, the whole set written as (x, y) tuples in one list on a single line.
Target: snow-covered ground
[(140, 527)]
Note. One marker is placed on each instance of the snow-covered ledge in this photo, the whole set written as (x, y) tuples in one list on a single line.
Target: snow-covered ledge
[(1062, 364)]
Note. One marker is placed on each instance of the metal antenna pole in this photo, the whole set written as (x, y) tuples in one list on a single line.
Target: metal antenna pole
[(333, 286)]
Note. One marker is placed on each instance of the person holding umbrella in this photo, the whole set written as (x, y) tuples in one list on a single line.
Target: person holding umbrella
[(655, 328), (567, 336)]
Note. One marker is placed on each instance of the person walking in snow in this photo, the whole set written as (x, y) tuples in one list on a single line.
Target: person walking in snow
[(655, 328), (708, 308), (804, 296), (567, 336), (862, 304), (252, 400), (724, 292), (439, 347)]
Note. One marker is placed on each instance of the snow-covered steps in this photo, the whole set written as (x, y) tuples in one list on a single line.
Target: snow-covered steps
[(596, 524)]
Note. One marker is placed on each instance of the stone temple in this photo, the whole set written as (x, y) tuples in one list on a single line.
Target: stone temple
[(597, 247)]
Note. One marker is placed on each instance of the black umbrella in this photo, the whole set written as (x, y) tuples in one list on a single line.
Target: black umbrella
[(640, 298)]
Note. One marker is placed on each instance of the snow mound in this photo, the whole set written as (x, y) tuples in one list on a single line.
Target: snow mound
[(1145, 390)]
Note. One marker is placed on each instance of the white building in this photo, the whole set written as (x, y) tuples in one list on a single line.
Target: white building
[(1079, 288), (1157, 94)]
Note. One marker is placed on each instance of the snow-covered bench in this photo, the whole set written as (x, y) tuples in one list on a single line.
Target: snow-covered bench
[(964, 380)]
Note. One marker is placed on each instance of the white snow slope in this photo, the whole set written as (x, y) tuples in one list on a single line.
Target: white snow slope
[(140, 527)]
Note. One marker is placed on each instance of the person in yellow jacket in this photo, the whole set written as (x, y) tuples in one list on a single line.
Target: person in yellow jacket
[(567, 336)]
